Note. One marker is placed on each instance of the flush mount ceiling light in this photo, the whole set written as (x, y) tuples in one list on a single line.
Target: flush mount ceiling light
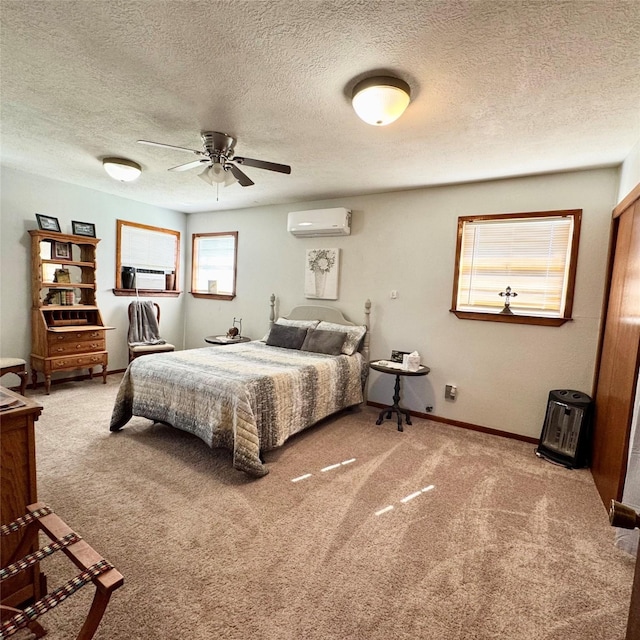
[(380, 100), (122, 169)]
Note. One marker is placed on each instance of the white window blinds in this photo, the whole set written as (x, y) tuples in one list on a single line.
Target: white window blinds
[(530, 255)]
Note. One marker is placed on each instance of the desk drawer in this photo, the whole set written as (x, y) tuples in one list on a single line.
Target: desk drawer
[(71, 362), (74, 336), (64, 348)]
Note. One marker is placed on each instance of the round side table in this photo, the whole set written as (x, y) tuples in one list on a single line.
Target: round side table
[(395, 407), (225, 340)]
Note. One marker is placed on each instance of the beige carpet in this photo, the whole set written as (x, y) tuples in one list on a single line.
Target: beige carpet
[(504, 545)]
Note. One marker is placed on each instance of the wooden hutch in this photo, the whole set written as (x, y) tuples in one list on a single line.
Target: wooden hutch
[(67, 331)]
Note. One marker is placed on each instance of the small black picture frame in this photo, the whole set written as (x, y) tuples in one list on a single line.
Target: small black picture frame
[(87, 229), (47, 223), (396, 356)]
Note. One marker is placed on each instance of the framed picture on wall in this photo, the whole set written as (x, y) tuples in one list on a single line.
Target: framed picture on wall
[(47, 223), (321, 274), (83, 229)]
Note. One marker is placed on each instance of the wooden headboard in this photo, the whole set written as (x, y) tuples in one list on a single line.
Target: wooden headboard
[(326, 314)]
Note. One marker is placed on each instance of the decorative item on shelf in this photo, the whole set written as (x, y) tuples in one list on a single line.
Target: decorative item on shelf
[(170, 281), (213, 286), (507, 295), (62, 251), (62, 275), (47, 223), (83, 229), (128, 277), (62, 297)]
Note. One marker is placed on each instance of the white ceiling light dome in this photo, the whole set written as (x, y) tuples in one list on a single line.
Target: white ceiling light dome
[(381, 100), (122, 169)]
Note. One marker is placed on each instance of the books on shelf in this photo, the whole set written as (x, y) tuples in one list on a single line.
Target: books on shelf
[(63, 297)]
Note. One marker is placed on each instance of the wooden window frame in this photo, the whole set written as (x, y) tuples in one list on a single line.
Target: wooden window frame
[(518, 318), (167, 293), (194, 266)]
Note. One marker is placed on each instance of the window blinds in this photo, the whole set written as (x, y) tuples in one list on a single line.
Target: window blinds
[(530, 255)]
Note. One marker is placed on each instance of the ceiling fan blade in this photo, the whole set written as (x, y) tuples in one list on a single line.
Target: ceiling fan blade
[(242, 178), (170, 146), (263, 164), (189, 165)]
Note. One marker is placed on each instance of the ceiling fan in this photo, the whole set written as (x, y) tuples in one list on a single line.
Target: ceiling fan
[(218, 160)]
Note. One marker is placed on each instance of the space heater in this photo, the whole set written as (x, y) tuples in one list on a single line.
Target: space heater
[(566, 433)]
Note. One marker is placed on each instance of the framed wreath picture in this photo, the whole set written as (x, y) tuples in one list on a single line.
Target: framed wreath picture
[(47, 223), (83, 229), (321, 274)]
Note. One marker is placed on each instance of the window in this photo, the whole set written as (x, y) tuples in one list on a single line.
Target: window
[(147, 260), (213, 271), (534, 254)]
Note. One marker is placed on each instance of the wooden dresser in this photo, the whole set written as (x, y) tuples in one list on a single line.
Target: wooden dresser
[(67, 331), (17, 490)]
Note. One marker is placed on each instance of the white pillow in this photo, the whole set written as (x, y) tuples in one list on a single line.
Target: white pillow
[(354, 335), (305, 324)]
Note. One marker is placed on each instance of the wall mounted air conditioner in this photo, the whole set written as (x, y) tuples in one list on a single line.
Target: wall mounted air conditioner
[(320, 222)]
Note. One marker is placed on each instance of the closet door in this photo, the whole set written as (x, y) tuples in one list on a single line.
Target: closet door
[(619, 357)]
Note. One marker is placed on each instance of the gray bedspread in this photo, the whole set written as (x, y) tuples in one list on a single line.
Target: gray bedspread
[(247, 397)]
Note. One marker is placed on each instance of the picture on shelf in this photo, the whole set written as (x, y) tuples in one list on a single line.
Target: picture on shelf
[(83, 229), (62, 275), (47, 223), (62, 251)]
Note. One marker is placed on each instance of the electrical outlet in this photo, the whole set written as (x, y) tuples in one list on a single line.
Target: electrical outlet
[(450, 392)]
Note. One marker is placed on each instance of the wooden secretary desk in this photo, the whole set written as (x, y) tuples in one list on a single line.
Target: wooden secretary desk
[(17, 490), (67, 331)]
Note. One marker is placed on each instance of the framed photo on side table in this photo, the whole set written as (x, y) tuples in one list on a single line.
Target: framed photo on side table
[(83, 229), (47, 223)]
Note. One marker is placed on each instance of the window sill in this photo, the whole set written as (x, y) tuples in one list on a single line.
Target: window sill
[(513, 319), (152, 293), (213, 296)]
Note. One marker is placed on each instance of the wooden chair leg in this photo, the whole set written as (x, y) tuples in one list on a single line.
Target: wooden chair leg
[(23, 382), (98, 607)]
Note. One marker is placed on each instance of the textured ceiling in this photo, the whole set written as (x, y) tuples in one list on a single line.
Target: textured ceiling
[(499, 88)]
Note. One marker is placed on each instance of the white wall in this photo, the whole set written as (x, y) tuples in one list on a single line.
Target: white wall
[(403, 241), (22, 196), (629, 172), (406, 241)]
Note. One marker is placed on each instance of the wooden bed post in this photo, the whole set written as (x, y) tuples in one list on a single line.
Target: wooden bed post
[(272, 313), (365, 346)]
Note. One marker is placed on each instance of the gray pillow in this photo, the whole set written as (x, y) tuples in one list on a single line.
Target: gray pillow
[(355, 334), (287, 337), (329, 342)]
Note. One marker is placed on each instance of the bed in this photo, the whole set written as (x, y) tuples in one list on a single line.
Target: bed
[(251, 397)]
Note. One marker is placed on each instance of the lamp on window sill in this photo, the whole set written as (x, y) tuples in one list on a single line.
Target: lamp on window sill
[(122, 169)]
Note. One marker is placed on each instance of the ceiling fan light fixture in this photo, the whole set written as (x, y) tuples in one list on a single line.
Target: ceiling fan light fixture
[(380, 100), (217, 174), (122, 169)]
